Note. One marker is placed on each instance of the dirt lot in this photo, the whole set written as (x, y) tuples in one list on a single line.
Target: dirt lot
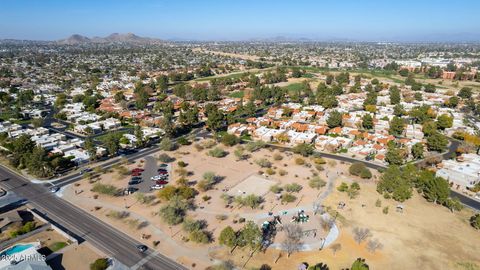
[(424, 236)]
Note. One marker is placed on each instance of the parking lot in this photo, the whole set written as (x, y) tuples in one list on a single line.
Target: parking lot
[(150, 169)]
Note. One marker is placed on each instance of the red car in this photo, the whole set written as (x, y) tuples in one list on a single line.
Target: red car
[(161, 182), (136, 173), (138, 170)]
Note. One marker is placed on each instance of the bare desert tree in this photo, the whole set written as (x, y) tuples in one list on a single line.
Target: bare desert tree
[(293, 238), (326, 222), (373, 245), (361, 234), (335, 247)]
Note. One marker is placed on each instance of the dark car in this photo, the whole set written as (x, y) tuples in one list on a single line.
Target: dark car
[(136, 178), (138, 170), (162, 171), (163, 165), (136, 173), (134, 182), (142, 248)]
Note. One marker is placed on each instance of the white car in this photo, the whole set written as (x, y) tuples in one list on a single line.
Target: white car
[(156, 187), (159, 177)]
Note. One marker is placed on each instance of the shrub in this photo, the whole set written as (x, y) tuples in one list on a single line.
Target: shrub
[(316, 182), (299, 161), (182, 164), (475, 221), (105, 189), (270, 171), (183, 141), (282, 172), (99, 264), (356, 168), (303, 149), (276, 188), (263, 162), (319, 161), (165, 158), (174, 212), (343, 187), (366, 174), (199, 236), (217, 152), (209, 144), (253, 201), (293, 187), (230, 140), (277, 156), (254, 146), (288, 198), (167, 145), (385, 210), (378, 203), (143, 198)]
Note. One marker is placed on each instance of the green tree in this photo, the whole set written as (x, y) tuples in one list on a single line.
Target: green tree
[(475, 221), (394, 95), (444, 121), (139, 136), (417, 151), (465, 92), (397, 125), (429, 128), (395, 183), (452, 102), (367, 121), (359, 264), (437, 142), (228, 237), (112, 143), (250, 235), (436, 190), (334, 119), (303, 149)]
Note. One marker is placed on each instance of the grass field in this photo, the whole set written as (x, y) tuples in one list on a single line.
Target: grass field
[(237, 94)]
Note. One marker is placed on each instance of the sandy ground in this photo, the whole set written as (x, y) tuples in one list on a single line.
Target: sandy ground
[(425, 236), (76, 257), (236, 55)]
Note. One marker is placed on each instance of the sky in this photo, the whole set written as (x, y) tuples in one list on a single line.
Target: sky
[(355, 20)]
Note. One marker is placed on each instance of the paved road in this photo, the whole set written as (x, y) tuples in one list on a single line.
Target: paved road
[(107, 239), (466, 200)]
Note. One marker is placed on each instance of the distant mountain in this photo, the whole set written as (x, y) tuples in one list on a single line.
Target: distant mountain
[(112, 38)]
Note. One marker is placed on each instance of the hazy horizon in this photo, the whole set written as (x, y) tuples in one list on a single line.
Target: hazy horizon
[(214, 20)]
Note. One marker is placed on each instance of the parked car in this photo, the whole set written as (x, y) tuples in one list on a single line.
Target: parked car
[(163, 165), (136, 173), (162, 172), (156, 187), (161, 182), (54, 189), (134, 182), (159, 177), (138, 170), (129, 190), (136, 178)]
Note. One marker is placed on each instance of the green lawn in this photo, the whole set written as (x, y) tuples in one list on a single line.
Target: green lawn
[(293, 87), (237, 94), (57, 246)]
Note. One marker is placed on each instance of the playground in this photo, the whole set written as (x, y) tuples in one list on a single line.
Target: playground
[(318, 229)]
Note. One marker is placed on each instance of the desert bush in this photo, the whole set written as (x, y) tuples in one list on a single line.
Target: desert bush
[(167, 145), (253, 201), (217, 152), (293, 187), (263, 162), (209, 144), (165, 158), (254, 146), (276, 188), (118, 214), (299, 161), (277, 156), (288, 197), (105, 189), (316, 182), (282, 172)]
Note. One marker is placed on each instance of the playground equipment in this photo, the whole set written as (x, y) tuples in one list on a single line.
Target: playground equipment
[(301, 217)]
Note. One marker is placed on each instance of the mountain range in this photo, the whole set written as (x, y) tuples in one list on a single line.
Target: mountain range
[(112, 38)]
